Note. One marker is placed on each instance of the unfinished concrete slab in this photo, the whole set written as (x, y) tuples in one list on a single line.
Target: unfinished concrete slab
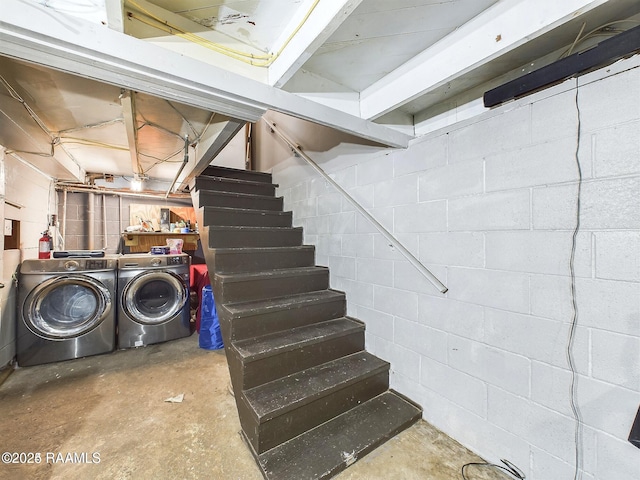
[(107, 417)]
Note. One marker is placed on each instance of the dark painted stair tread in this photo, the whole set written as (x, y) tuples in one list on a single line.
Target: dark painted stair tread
[(238, 195), (221, 184), (273, 344), (238, 200), (252, 229), (262, 250), (254, 259), (271, 274), (238, 181), (252, 211), (331, 447), (250, 236), (245, 216), (283, 303), (226, 172), (285, 394)]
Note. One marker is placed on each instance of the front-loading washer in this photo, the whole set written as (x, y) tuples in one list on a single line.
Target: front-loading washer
[(66, 309), (153, 299)]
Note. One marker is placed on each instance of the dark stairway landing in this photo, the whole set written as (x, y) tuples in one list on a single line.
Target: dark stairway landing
[(310, 399)]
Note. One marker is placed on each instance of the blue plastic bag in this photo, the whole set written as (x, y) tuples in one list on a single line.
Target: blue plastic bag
[(210, 336)]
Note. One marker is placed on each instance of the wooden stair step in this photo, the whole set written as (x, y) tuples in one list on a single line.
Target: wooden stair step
[(271, 315), (244, 287), (233, 185), (227, 172), (237, 200), (274, 356), (285, 394), (254, 349), (331, 447), (245, 216), (243, 236)]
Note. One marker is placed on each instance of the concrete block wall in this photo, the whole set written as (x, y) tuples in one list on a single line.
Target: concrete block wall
[(27, 203), (489, 205), (117, 214)]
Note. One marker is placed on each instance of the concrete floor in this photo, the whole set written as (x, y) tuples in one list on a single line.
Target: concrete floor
[(112, 409)]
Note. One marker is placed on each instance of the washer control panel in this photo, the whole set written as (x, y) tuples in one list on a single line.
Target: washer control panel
[(175, 260)]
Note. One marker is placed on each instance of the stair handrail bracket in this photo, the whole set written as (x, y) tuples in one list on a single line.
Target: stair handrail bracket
[(360, 209)]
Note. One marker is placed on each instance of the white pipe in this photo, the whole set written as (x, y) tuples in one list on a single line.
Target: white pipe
[(78, 189), (91, 217), (104, 221), (385, 233), (64, 219), (184, 164)]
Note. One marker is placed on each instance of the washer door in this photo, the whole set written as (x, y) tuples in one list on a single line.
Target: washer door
[(66, 307), (154, 297)]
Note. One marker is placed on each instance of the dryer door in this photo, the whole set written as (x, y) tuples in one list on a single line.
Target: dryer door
[(66, 307), (154, 297)]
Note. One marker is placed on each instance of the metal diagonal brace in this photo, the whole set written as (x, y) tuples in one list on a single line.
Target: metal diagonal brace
[(385, 233)]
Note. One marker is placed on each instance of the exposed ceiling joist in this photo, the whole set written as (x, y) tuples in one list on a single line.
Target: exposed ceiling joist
[(115, 15), (323, 21), (127, 100), (93, 51), (497, 31)]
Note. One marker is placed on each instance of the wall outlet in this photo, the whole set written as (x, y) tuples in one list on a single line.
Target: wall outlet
[(8, 227)]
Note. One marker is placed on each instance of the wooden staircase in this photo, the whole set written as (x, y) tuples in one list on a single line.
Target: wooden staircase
[(311, 400)]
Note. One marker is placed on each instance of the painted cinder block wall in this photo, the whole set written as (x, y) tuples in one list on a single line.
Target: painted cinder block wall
[(489, 205), (26, 202), (118, 217)]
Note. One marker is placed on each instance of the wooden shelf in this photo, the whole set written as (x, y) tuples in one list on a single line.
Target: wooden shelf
[(141, 242)]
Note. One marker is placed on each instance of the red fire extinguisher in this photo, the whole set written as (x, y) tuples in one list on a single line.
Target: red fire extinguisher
[(44, 246)]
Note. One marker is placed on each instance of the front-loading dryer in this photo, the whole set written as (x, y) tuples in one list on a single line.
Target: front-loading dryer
[(153, 299), (66, 309)]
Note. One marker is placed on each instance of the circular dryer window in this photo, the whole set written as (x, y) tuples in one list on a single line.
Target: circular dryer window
[(66, 307), (153, 298)]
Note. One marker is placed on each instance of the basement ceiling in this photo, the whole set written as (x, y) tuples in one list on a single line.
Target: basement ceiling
[(379, 69)]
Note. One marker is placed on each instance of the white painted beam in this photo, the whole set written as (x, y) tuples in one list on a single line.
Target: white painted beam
[(217, 136), (115, 14), (323, 21), (127, 100), (505, 26), (34, 33)]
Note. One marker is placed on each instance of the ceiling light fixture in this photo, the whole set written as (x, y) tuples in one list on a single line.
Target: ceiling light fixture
[(136, 183)]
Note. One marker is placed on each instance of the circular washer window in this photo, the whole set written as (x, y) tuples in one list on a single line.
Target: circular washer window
[(154, 297), (66, 307)]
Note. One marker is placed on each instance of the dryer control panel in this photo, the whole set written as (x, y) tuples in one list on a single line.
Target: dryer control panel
[(92, 264), (176, 260)]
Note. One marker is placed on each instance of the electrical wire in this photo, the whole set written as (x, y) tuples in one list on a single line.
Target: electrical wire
[(602, 30), (508, 467), (147, 123), (16, 96), (258, 60), (90, 143), (183, 117), (574, 302)]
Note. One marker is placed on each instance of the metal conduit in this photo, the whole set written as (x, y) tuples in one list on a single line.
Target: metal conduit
[(104, 221), (385, 233), (91, 220), (64, 219)]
